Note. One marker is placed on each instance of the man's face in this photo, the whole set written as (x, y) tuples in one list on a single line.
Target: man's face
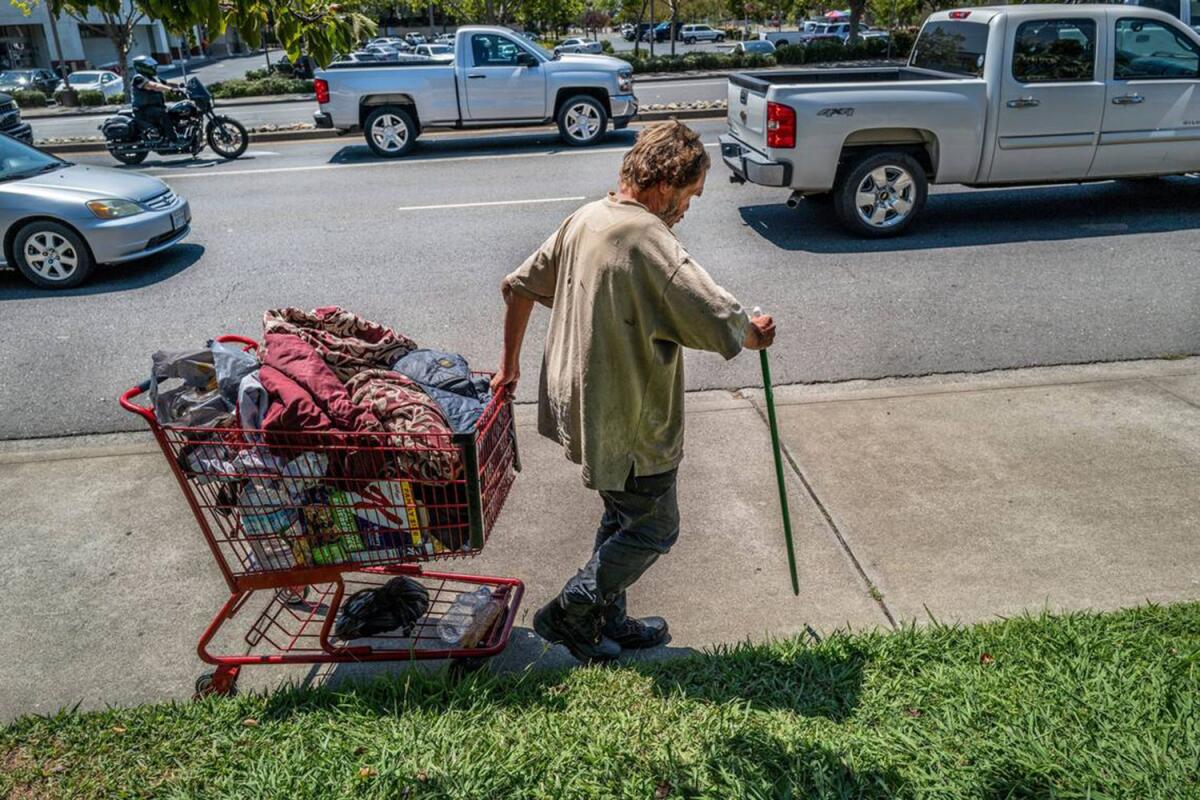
[(676, 201)]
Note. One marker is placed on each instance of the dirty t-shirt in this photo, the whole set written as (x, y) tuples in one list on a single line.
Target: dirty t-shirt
[(626, 298)]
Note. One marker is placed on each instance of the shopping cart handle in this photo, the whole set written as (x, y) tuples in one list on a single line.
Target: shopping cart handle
[(132, 407)]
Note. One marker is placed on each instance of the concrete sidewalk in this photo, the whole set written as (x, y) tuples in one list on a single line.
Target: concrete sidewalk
[(963, 497)]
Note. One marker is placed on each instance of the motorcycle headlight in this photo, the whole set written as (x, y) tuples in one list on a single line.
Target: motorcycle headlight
[(113, 209), (625, 81)]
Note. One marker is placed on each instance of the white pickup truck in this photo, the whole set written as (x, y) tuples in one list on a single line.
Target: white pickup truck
[(497, 79), (990, 96)]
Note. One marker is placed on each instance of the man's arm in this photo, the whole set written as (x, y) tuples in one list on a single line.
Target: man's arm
[(517, 310)]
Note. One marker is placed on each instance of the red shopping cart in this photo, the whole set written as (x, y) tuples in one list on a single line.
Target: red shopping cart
[(297, 521)]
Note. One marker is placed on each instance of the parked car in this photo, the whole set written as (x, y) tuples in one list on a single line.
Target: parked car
[(757, 46), (700, 33), (578, 46), (11, 123), (781, 38), (662, 31), (27, 80), (415, 39), (58, 219), (1010, 95), (382, 52), (106, 82), (442, 53), (498, 79), (627, 31), (445, 38)]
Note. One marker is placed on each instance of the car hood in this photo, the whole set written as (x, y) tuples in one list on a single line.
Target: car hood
[(594, 59), (94, 182)]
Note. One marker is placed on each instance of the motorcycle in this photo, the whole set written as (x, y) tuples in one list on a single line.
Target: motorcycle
[(192, 121)]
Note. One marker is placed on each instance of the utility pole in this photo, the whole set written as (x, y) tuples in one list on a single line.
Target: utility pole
[(432, 32), (651, 33)]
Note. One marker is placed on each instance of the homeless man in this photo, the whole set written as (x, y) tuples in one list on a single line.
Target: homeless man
[(625, 299)]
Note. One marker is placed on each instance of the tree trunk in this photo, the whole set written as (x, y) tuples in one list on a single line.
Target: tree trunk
[(62, 62), (651, 32), (637, 32), (856, 12), (674, 20)]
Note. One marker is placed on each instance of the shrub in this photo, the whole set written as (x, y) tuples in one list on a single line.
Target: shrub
[(29, 98), (607, 47), (117, 99), (256, 75), (91, 97), (239, 87)]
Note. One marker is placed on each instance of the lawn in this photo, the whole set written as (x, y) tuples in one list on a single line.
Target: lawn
[(1080, 705)]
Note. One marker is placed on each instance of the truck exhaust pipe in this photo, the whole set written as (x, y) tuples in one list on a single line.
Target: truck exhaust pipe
[(794, 199)]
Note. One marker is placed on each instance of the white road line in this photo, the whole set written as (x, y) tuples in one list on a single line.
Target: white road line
[(494, 203), (171, 175)]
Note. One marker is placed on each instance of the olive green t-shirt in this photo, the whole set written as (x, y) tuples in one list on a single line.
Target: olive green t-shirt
[(625, 299)]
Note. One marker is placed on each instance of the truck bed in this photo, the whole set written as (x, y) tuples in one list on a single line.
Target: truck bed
[(761, 81)]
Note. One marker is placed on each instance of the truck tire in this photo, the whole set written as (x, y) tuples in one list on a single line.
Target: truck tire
[(390, 132), (881, 194), (582, 121)]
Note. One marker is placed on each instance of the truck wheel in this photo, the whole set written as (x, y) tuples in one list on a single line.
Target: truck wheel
[(582, 121), (881, 195), (390, 132)]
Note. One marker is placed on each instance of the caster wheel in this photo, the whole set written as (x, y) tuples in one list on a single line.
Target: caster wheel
[(293, 596), (216, 683)]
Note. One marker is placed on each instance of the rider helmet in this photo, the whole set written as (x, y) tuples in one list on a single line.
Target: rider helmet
[(145, 65)]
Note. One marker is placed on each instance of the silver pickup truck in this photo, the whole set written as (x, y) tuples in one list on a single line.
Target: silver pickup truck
[(990, 96), (497, 79)]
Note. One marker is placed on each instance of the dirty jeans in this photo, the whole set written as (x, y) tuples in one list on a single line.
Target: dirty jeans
[(639, 525)]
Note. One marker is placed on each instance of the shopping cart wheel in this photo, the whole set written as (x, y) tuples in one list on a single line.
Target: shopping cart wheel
[(221, 681), (462, 667), (293, 596)]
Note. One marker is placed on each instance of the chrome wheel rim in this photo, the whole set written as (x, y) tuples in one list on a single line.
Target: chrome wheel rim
[(583, 122), (389, 132), (885, 196), (51, 256), (229, 137)]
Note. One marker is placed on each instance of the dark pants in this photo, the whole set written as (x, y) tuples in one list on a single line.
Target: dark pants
[(639, 525), (155, 117)]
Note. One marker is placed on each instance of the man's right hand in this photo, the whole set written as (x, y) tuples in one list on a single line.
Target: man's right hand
[(506, 378), (760, 333)]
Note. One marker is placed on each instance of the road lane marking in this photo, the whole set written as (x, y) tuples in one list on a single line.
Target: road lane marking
[(379, 164), (494, 203)]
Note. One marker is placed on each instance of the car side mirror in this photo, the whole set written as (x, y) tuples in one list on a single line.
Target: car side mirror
[(526, 60)]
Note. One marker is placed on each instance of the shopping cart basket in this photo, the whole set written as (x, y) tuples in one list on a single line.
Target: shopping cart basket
[(299, 520)]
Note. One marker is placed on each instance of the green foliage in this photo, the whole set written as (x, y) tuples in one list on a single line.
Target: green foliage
[(29, 98), (91, 97), (607, 47), (240, 87), (1073, 706)]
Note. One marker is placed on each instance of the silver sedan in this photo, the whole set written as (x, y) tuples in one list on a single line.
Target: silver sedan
[(58, 219)]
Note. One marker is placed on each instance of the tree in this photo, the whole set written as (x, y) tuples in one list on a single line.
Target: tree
[(319, 28), (856, 14)]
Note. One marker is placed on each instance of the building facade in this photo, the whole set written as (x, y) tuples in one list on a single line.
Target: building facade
[(27, 41)]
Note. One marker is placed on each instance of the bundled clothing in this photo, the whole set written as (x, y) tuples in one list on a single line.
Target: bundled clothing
[(447, 378), (347, 342)]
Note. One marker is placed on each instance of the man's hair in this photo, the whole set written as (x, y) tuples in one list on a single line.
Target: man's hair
[(666, 152)]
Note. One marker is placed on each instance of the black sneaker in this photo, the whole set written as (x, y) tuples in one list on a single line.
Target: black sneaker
[(577, 630), (637, 634)]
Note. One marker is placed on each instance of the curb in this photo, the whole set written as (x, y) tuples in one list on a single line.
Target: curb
[(37, 113), (321, 133)]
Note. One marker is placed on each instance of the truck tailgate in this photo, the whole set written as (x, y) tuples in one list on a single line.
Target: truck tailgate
[(748, 116)]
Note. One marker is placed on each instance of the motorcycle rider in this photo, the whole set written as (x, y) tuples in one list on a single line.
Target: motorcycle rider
[(149, 103)]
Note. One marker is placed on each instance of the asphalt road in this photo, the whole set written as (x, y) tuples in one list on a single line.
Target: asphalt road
[(997, 278), (287, 113)]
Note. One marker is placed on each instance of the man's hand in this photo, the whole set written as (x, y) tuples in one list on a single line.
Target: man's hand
[(506, 377), (760, 334)]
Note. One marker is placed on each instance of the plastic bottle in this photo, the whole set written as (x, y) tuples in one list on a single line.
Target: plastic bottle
[(458, 618)]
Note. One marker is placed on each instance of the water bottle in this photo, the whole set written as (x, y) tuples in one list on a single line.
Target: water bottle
[(461, 614)]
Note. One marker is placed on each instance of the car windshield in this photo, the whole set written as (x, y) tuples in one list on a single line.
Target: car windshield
[(440, 49), (19, 160), (80, 78), (759, 47), (14, 77)]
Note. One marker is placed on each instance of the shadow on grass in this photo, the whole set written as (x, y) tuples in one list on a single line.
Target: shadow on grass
[(822, 681)]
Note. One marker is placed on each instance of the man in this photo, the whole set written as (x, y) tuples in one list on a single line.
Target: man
[(149, 105), (625, 299)]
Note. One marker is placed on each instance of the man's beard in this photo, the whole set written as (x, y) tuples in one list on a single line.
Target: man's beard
[(671, 212)]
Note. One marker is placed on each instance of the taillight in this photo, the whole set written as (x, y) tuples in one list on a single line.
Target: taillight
[(959, 14), (321, 87), (781, 125)]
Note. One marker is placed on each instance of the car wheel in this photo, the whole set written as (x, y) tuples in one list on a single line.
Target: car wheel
[(582, 121), (720, 39), (881, 195), (51, 255), (689, 40), (390, 132)]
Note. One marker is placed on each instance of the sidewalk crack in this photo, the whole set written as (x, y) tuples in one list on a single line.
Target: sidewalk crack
[(872, 590)]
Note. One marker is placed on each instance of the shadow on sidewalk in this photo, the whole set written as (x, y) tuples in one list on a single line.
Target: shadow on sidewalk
[(810, 682), (996, 216), (535, 141)]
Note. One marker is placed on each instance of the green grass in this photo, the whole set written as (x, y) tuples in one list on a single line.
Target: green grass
[(1075, 706)]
